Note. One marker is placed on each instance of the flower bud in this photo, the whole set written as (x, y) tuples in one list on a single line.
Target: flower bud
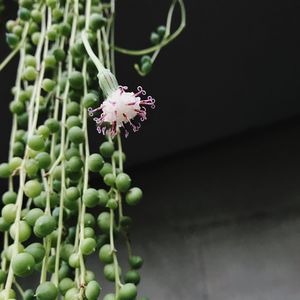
[(107, 81)]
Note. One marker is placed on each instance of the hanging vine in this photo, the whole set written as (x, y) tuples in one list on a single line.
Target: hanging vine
[(66, 75)]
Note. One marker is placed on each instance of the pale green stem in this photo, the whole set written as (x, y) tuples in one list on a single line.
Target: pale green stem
[(57, 101), (109, 33), (81, 211), (106, 46), (57, 161), (85, 183), (85, 157), (83, 207), (76, 243), (91, 53), (47, 244), (62, 144), (107, 81), (112, 42), (17, 49), (41, 65), (12, 139), (168, 28), (28, 204), (55, 114), (164, 42), (41, 77), (14, 123), (4, 261), (19, 203), (118, 283), (50, 180), (99, 42), (47, 240), (19, 288), (38, 62), (33, 119), (120, 151), (47, 190), (111, 232)]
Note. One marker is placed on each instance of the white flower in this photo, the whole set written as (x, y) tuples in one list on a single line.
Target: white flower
[(120, 108)]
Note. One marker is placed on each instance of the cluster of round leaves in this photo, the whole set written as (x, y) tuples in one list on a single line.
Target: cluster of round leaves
[(98, 163), (29, 11), (39, 157), (35, 223), (30, 258), (156, 37)]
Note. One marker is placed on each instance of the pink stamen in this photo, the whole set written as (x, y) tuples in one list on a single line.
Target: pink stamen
[(148, 101), (140, 91), (113, 129), (126, 133), (123, 89), (131, 103), (114, 126), (142, 114), (134, 127), (140, 111), (91, 110), (97, 120)]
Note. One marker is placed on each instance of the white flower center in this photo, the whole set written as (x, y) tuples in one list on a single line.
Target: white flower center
[(120, 107)]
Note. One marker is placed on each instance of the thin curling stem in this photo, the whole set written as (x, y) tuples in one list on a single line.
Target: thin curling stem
[(164, 42), (19, 288), (168, 28)]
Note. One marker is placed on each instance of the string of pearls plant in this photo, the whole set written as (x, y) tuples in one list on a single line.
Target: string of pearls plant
[(52, 219)]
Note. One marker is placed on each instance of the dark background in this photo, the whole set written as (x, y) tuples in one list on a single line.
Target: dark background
[(219, 157)]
